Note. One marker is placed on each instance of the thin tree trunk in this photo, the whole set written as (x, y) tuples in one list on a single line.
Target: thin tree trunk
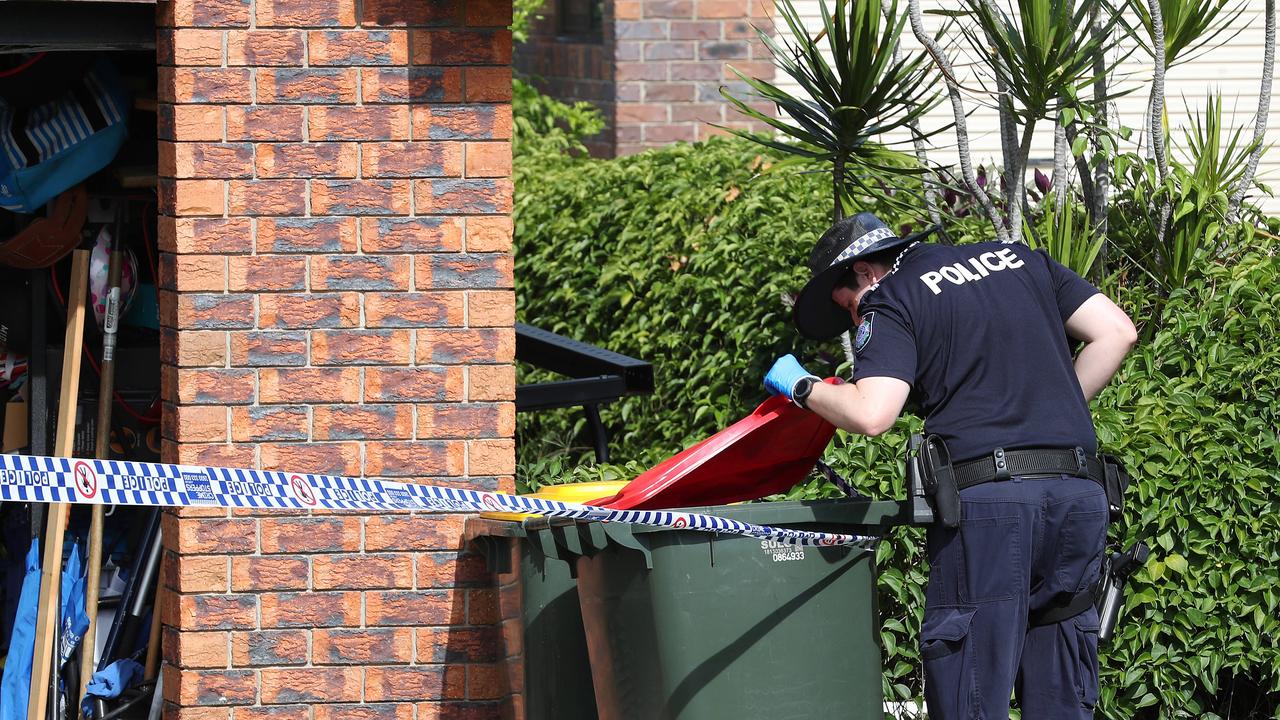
[(1060, 150), (1008, 126), (837, 214), (1084, 172), (1008, 135), (1260, 121), (1156, 124), (957, 110), (1020, 183), (930, 177), (1156, 121), (1060, 153), (1098, 197), (837, 190)]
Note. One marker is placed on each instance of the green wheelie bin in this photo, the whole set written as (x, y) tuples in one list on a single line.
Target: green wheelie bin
[(690, 625), (541, 644)]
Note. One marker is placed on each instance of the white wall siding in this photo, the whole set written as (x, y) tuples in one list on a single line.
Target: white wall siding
[(1233, 70)]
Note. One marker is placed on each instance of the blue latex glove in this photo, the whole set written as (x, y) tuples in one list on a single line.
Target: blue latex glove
[(783, 376)]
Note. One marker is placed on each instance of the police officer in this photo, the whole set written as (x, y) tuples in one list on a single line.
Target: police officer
[(980, 337)]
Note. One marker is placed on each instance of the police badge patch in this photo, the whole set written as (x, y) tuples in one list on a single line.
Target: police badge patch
[(863, 336)]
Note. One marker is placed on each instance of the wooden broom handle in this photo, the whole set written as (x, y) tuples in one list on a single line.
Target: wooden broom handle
[(49, 610)]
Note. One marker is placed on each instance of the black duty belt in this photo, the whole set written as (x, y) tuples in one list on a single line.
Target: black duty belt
[(1003, 464)]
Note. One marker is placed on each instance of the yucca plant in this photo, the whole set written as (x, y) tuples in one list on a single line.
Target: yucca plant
[(1066, 233), (1188, 24), (1210, 172), (846, 102), (1212, 162), (1196, 190), (1043, 57), (1264, 108), (1169, 29)]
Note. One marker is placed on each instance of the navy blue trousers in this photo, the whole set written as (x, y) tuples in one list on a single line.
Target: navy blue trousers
[(1020, 543)]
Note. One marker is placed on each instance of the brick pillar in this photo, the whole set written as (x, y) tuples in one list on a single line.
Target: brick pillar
[(336, 298)]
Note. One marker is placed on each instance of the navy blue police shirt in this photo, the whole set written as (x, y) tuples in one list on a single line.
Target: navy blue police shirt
[(977, 331)]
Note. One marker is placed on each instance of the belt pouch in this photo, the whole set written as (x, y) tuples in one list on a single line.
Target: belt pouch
[(940, 482), (1115, 482)]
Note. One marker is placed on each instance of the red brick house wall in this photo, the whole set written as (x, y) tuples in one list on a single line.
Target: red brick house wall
[(336, 277), (656, 68)]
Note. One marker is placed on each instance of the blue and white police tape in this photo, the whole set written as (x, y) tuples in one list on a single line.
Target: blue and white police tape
[(30, 478)]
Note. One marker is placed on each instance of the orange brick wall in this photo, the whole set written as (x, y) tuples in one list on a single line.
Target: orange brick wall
[(336, 298)]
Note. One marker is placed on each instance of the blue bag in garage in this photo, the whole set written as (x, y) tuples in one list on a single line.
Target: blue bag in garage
[(59, 124)]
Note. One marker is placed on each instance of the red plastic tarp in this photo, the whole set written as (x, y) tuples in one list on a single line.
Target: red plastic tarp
[(767, 452)]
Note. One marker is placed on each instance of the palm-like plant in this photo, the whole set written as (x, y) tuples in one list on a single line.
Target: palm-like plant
[(1044, 58), (1212, 162), (1066, 233), (1212, 170), (848, 100), (971, 181), (1264, 107), (1175, 26), (1188, 24), (1196, 190)]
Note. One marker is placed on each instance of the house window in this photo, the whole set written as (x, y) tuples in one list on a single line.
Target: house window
[(582, 20)]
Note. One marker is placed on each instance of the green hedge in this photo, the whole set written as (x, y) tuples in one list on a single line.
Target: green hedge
[(681, 256), (1195, 416)]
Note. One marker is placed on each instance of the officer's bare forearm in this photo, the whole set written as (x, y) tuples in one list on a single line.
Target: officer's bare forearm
[(1108, 335), (868, 407), (1098, 362)]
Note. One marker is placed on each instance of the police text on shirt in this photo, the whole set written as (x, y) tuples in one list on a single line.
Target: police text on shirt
[(983, 265)]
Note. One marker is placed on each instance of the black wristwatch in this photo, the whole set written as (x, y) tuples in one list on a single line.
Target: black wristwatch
[(800, 393)]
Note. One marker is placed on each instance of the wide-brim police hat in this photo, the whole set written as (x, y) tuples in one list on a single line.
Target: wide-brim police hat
[(849, 240)]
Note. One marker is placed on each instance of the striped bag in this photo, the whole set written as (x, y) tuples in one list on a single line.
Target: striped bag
[(49, 144)]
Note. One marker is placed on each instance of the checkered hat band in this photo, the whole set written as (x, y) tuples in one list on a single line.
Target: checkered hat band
[(860, 245)]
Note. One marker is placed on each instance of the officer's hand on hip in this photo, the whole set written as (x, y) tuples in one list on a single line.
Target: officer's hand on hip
[(786, 375)]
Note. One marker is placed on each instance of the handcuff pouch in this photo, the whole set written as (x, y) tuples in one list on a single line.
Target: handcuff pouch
[(1115, 482), (940, 481)]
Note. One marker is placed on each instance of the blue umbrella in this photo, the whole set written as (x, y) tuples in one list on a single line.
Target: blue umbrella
[(75, 621), (15, 688)]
